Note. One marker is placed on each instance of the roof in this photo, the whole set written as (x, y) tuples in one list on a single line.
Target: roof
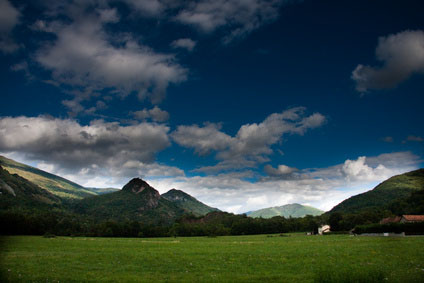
[(395, 219), (413, 217)]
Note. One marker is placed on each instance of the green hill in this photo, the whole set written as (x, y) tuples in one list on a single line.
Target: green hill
[(393, 190), (56, 185), (187, 202), (17, 192), (101, 191), (289, 210), (136, 201)]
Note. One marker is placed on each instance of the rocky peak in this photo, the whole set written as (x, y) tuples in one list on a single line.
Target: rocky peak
[(138, 186)]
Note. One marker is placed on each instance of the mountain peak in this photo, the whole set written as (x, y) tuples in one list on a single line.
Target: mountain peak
[(138, 185)]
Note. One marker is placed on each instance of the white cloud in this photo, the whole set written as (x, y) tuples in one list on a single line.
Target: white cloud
[(358, 170), (156, 114), (185, 43), (84, 55), (240, 16), (252, 143), (402, 55), (9, 18)]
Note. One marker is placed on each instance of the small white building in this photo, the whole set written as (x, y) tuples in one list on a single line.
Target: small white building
[(323, 229)]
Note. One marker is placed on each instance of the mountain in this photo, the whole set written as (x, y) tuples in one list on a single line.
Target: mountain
[(17, 192), (56, 185), (289, 210), (188, 203), (395, 189), (136, 201)]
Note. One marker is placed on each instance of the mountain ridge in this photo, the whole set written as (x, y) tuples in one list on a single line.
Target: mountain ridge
[(188, 202), (294, 210)]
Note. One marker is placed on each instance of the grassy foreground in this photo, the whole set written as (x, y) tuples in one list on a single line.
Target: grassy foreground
[(297, 258)]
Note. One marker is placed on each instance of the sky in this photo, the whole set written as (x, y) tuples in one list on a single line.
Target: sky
[(244, 104)]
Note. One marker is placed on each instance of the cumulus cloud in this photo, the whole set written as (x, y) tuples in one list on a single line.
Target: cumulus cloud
[(402, 55), (77, 147), (358, 170), (9, 18), (185, 43), (84, 55), (156, 114), (240, 16), (252, 143)]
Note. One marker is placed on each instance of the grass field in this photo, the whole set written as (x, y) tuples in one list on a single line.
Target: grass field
[(296, 258)]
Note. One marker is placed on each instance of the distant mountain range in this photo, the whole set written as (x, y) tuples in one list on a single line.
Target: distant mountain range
[(26, 187), (289, 210), (394, 191)]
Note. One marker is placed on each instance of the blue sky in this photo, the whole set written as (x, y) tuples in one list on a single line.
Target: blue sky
[(243, 104)]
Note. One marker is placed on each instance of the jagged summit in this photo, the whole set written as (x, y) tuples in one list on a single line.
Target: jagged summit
[(138, 185)]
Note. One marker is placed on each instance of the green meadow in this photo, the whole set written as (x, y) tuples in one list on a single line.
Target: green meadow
[(264, 258)]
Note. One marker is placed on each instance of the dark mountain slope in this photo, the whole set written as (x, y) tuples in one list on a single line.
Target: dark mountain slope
[(188, 203)]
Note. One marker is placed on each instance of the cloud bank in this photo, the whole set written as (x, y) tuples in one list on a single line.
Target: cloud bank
[(99, 145)]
